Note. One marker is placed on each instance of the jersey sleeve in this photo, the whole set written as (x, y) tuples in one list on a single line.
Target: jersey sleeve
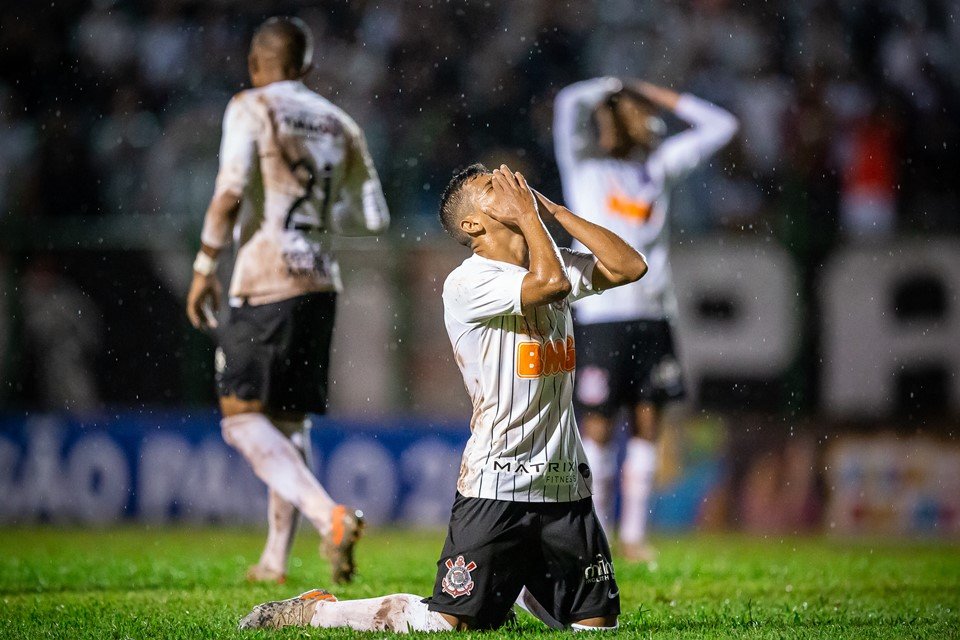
[(361, 208), (579, 266), (473, 296), (238, 147), (572, 110), (710, 129)]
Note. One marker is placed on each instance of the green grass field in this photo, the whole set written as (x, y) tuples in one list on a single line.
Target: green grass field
[(188, 583)]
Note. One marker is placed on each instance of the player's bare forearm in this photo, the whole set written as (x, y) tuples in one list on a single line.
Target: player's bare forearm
[(203, 298), (546, 281), (660, 96), (219, 220), (617, 262)]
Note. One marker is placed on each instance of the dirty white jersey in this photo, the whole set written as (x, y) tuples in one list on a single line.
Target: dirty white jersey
[(518, 367), (303, 164), (631, 197)]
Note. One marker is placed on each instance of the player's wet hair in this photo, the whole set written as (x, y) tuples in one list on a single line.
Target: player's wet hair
[(288, 38), (609, 104), (452, 202)]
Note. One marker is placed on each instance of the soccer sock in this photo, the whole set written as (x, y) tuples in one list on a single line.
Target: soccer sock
[(401, 612), (278, 463), (528, 603), (282, 519), (637, 484), (603, 465), (282, 516)]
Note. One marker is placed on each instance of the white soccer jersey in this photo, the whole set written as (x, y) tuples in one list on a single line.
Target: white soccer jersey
[(518, 367), (631, 197), (305, 165)]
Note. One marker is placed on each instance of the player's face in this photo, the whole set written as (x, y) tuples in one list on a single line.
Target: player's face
[(611, 137), (485, 200), (634, 119)]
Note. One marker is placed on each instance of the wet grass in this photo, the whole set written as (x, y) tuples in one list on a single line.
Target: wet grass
[(188, 583)]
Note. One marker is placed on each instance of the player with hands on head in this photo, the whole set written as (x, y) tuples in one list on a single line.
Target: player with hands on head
[(618, 168), (522, 527), (301, 166)]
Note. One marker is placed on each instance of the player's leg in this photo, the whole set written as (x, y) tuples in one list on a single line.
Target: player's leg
[(399, 612), (658, 380), (596, 393), (639, 467), (275, 460), (273, 360), (282, 516), (601, 450), (480, 570), (571, 582)]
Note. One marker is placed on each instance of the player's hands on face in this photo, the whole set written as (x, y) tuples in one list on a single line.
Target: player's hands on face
[(514, 201), (547, 207), (203, 301)]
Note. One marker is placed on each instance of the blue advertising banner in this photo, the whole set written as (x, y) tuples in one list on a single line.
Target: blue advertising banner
[(166, 467)]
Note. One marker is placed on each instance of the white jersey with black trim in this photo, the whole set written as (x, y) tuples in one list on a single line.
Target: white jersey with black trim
[(518, 367), (631, 197), (304, 165)]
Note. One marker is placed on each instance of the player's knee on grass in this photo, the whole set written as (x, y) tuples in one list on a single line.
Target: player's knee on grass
[(598, 428), (596, 624)]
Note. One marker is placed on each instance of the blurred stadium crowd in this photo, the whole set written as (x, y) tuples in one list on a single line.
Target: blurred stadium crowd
[(849, 109), (106, 105)]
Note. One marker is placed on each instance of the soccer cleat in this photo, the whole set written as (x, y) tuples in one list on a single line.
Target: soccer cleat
[(295, 612), (259, 573), (346, 528)]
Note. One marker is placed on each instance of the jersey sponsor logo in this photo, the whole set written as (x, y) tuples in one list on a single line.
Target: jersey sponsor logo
[(535, 359), (458, 582), (600, 570), (562, 472), (306, 123), (626, 207)]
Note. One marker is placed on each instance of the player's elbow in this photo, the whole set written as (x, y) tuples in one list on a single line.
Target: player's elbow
[(727, 126), (555, 288), (636, 268), (628, 270)]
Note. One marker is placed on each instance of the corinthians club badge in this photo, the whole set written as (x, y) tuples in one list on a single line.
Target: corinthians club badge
[(458, 582)]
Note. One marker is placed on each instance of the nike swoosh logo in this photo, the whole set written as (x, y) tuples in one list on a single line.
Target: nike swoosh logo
[(613, 594)]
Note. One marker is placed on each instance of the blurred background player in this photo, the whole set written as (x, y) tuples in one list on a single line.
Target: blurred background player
[(303, 166), (617, 170), (522, 521)]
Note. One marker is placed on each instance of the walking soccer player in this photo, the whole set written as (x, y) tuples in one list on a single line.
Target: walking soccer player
[(522, 524), (615, 168), (304, 166)]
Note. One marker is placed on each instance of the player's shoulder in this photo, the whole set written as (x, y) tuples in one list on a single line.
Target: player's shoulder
[(243, 98), (322, 105), (469, 271)]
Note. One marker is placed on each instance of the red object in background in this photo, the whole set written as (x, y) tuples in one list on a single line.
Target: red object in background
[(873, 161)]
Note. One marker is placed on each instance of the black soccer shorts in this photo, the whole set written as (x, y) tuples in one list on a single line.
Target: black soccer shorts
[(623, 363), (496, 547), (278, 353)]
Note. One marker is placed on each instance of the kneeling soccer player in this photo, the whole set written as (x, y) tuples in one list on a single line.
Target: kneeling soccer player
[(522, 523)]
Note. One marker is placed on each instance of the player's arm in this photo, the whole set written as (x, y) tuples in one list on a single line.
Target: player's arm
[(361, 208), (617, 262), (572, 110), (546, 280), (711, 128), (237, 154)]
